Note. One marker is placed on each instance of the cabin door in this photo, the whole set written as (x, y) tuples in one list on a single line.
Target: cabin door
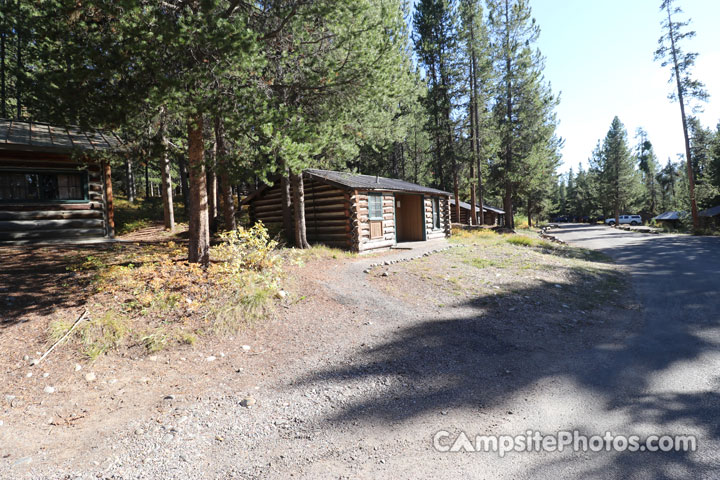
[(409, 218)]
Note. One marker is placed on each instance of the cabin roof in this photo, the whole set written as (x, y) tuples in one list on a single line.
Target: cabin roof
[(43, 137), (670, 216), (710, 212), (487, 207), (371, 182)]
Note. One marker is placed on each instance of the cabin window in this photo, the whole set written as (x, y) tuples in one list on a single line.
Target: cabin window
[(43, 186), (375, 206), (436, 213)]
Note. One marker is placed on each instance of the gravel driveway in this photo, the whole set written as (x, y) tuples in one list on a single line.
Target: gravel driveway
[(368, 379)]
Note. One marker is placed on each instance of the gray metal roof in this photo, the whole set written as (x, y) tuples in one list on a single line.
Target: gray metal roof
[(41, 137), (486, 207), (710, 212), (670, 216), (370, 182)]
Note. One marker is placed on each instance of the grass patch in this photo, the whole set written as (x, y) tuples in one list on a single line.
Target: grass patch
[(481, 263), (155, 341), (95, 336), (154, 290)]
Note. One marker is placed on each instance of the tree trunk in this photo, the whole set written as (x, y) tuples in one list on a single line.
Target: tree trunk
[(228, 205), (182, 166), (212, 192), (166, 192), (3, 89), (529, 212), (299, 204), (681, 101), (18, 76), (199, 244), (473, 198), (286, 203), (509, 216), (129, 179), (147, 180)]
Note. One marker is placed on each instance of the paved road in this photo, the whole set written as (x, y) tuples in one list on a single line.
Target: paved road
[(666, 378)]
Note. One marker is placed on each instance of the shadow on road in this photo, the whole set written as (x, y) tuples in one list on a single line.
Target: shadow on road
[(472, 363)]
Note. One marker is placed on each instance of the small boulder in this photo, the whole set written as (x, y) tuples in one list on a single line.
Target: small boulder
[(49, 389)]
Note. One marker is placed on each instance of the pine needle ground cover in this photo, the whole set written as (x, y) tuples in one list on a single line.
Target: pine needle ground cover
[(150, 296)]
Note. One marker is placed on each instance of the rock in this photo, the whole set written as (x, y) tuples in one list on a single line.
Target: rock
[(248, 402), (385, 274), (49, 389), (367, 270), (168, 437), (184, 458), (558, 286), (211, 358), (153, 358), (113, 381), (139, 431), (34, 362), (29, 374), (246, 348), (386, 263), (2, 423), (281, 294), (169, 397), (26, 358), (222, 355), (46, 374), (90, 377), (22, 461), (78, 367)]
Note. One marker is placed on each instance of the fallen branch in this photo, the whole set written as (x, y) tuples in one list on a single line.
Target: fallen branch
[(77, 322)]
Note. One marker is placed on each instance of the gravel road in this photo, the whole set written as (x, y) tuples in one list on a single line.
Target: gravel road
[(365, 398)]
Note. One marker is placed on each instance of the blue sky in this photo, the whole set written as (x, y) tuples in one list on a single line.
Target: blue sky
[(600, 57)]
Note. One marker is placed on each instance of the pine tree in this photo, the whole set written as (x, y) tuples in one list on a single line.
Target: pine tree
[(617, 175), (436, 40), (478, 68), (671, 54), (524, 104), (647, 163)]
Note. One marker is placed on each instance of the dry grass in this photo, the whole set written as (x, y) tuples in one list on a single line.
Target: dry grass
[(151, 297)]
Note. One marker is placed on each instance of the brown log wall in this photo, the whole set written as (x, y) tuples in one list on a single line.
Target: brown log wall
[(53, 220), (327, 212)]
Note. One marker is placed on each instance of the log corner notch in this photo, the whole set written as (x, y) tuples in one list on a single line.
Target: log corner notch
[(109, 204)]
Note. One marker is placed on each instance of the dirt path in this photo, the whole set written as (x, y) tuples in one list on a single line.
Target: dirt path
[(353, 382)]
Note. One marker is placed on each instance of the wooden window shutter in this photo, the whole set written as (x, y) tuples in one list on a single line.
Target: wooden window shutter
[(376, 228)]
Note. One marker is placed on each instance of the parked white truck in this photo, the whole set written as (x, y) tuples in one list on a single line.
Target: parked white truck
[(625, 219)]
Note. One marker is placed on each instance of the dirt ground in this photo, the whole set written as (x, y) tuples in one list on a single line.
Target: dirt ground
[(311, 390)]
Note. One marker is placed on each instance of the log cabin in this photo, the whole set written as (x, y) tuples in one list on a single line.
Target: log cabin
[(51, 185), (492, 216), (357, 212)]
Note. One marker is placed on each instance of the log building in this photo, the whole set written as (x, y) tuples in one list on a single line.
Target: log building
[(491, 215), (359, 212), (51, 187)]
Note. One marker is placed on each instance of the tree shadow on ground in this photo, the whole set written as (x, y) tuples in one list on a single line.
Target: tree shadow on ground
[(480, 359)]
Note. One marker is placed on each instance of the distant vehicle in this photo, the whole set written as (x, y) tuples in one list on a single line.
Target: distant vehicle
[(626, 220)]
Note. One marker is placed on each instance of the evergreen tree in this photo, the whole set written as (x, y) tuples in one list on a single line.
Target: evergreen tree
[(477, 65), (436, 45), (617, 175), (671, 54), (647, 163), (524, 104), (701, 144)]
